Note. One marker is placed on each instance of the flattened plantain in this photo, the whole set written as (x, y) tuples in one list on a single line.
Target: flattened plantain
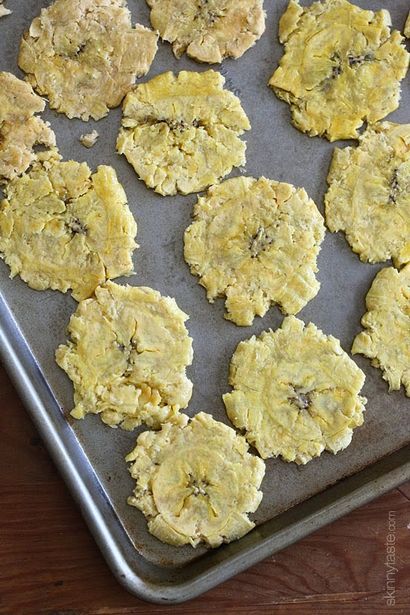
[(369, 194), (342, 66), (296, 392), (255, 241), (20, 130), (127, 356), (195, 482), (208, 30), (386, 338), (62, 227), (181, 133), (84, 55)]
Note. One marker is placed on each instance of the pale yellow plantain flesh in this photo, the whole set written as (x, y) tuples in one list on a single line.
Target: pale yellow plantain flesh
[(208, 30), (4, 10), (20, 129), (407, 27), (62, 227), (369, 194), (181, 133), (296, 392), (386, 335), (84, 55), (255, 241), (89, 139), (195, 482), (342, 67), (127, 356)]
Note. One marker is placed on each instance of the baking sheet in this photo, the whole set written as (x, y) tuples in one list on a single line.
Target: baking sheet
[(274, 149)]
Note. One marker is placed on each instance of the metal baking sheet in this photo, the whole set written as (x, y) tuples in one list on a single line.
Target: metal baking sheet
[(296, 500)]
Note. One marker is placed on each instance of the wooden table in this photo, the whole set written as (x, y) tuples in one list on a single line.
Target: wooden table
[(50, 564)]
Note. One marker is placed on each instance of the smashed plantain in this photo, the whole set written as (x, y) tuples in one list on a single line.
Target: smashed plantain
[(181, 133), (296, 392), (208, 30), (342, 66), (84, 55), (369, 194), (62, 227), (386, 338), (195, 482), (127, 356), (255, 241)]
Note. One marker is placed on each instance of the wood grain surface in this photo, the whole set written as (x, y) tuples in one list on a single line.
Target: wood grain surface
[(50, 564)]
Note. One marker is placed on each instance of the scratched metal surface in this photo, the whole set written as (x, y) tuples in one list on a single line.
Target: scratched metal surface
[(274, 149)]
